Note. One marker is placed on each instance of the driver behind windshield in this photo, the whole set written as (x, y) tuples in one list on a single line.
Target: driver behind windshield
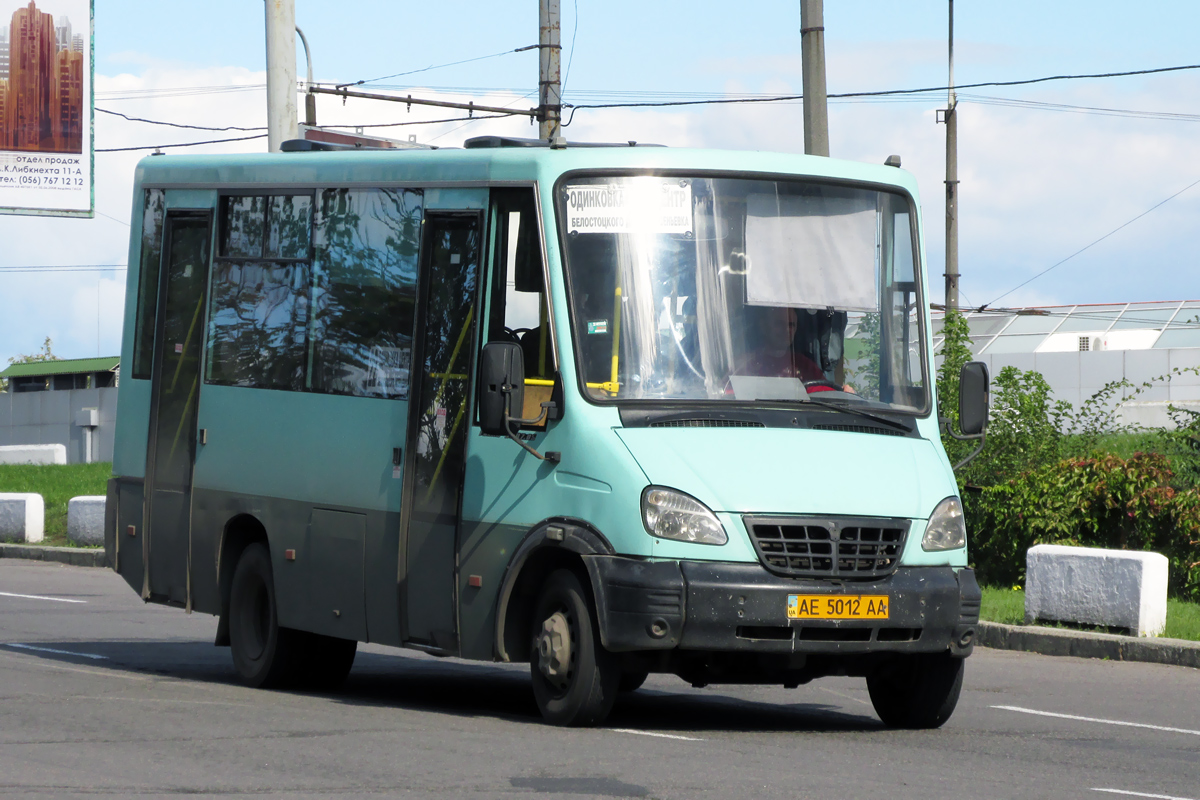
[(775, 352)]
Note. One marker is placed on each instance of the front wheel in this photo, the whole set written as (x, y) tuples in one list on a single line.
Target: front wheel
[(917, 691), (575, 679)]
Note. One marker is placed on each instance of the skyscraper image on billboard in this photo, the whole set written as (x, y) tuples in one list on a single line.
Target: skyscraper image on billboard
[(46, 107), (41, 81)]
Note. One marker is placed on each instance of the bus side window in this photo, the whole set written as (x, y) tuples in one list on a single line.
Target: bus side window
[(518, 298), (259, 308), (147, 297), (367, 244)]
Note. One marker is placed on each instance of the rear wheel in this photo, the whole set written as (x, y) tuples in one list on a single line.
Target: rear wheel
[(917, 691), (263, 653), (575, 679)]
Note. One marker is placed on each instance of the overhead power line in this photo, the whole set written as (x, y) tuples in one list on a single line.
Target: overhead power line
[(178, 144), (1111, 112), (439, 66), (65, 268), (1089, 246), (178, 124), (684, 99), (880, 93)]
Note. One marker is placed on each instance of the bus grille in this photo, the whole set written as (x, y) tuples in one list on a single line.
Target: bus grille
[(828, 547)]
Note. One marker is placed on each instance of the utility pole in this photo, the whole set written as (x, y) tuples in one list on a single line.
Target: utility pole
[(951, 182), (812, 51), (281, 73), (549, 78)]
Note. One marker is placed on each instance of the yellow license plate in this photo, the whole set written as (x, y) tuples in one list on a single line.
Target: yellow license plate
[(837, 606)]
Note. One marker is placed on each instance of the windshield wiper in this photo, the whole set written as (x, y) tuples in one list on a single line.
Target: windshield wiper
[(858, 411)]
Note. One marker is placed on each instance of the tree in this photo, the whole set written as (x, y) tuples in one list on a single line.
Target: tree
[(45, 354)]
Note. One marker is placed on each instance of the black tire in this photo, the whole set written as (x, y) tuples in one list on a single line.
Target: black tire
[(917, 691), (327, 661), (632, 681), (574, 685), (264, 654)]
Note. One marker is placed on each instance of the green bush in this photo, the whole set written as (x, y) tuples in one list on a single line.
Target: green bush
[(1102, 501), (1053, 474)]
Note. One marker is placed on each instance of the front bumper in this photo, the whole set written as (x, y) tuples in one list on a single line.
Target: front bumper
[(735, 607)]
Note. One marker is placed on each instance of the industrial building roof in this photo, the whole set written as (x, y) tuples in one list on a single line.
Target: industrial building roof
[(1060, 329), (62, 366)]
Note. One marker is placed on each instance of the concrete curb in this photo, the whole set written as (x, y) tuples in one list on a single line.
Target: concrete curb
[(75, 556), (1082, 644)]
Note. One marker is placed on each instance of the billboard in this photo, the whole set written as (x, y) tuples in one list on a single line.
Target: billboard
[(46, 107)]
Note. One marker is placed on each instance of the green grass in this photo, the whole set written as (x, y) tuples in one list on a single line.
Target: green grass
[(1006, 605), (1183, 620), (1003, 605), (57, 484)]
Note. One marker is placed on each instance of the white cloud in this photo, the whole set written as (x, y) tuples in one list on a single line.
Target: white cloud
[(1036, 185)]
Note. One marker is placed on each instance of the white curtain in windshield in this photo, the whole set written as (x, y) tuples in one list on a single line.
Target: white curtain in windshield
[(811, 251)]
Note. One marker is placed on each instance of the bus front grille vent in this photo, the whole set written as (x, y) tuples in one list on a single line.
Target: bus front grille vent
[(706, 423), (852, 548), (859, 429)]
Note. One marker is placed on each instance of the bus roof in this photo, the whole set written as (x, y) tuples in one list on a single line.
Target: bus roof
[(481, 165)]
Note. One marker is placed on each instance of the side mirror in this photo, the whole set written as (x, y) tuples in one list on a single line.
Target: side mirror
[(973, 399), (501, 386)]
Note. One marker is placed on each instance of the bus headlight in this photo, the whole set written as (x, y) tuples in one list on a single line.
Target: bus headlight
[(946, 529), (669, 514)]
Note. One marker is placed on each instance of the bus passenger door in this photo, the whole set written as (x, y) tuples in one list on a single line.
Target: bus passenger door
[(176, 389), (437, 432)]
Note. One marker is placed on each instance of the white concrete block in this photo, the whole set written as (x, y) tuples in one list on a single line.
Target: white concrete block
[(22, 517), (33, 454), (1116, 588), (85, 520)]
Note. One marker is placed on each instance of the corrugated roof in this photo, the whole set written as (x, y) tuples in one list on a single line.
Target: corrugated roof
[(65, 366), (1120, 326)]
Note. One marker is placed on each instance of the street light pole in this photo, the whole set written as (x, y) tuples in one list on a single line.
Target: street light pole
[(310, 99), (281, 73), (951, 182), (812, 53)]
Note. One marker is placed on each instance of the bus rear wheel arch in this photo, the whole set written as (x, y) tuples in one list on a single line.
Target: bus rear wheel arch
[(575, 680), (267, 655)]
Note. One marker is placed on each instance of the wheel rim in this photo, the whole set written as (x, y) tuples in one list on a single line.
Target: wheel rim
[(555, 646)]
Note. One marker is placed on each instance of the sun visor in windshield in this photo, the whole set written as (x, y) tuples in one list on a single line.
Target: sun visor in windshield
[(811, 251)]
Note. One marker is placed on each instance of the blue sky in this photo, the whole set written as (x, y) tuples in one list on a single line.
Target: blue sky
[(1037, 184)]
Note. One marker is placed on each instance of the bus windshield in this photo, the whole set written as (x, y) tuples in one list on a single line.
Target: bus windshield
[(699, 289)]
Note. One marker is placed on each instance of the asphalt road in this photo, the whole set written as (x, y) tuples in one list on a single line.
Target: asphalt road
[(107, 696)]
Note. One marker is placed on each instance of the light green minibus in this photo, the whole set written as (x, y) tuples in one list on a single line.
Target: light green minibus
[(608, 410)]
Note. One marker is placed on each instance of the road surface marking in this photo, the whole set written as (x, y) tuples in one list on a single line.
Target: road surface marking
[(659, 735), (1095, 719), (41, 597), (52, 650), (98, 673), (1141, 794)]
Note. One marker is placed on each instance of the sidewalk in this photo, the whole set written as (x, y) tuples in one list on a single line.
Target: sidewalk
[(75, 556), (1084, 644)]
